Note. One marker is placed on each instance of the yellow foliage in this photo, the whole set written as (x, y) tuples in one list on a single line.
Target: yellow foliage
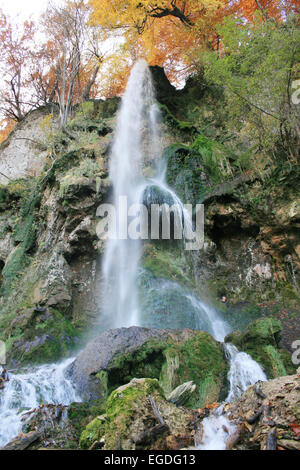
[(165, 32)]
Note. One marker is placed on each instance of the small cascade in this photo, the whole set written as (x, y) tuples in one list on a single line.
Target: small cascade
[(216, 430), (27, 389), (244, 371)]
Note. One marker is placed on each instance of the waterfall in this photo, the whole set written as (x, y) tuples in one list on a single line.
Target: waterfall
[(28, 389), (135, 141)]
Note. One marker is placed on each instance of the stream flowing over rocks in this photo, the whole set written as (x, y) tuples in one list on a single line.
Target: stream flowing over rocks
[(141, 344)]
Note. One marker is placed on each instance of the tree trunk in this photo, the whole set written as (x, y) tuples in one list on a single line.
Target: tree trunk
[(87, 91)]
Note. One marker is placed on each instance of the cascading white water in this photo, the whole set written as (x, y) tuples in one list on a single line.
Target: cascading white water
[(135, 140), (244, 371), (216, 430), (27, 390)]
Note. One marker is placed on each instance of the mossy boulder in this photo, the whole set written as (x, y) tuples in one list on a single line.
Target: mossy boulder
[(129, 418), (262, 341), (172, 357), (40, 335)]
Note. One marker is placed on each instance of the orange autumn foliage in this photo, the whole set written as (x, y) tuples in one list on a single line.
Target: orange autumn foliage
[(6, 126), (173, 33)]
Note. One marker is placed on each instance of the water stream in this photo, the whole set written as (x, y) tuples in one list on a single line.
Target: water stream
[(28, 389)]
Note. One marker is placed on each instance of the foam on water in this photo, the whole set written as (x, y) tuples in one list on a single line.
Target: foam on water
[(27, 389)]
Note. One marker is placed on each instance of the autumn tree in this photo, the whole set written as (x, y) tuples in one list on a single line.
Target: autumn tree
[(16, 99), (74, 56), (269, 9), (171, 33), (165, 31)]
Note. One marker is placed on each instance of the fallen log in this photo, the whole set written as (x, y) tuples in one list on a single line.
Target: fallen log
[(156, 412)]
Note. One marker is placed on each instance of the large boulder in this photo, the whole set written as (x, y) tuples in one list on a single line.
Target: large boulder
[(138, 417), (171, 356)]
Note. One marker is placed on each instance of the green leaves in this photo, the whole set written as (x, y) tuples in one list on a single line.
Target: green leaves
[(256, 67)]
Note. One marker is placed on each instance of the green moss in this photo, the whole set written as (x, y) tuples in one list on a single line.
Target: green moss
[(80, 414), (16, 263), (168, 376), (264, 330), (24, 234), (58, 334), (261, 341), (269, 358), (168, 263), (93, 432), (286, 358), (185, 172), (118, 407), (146, 361), (201, 360), (174, 123)]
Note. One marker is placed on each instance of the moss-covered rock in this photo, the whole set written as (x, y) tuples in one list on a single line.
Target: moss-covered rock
[(129, 418), (40, 336), (170, 356), (261, 340), (199, 359)]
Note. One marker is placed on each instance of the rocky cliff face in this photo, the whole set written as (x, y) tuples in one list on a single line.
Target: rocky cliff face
[(24, 152), (50, 253)]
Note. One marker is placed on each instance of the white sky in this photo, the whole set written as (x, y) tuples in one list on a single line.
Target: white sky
[(24, 9)]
